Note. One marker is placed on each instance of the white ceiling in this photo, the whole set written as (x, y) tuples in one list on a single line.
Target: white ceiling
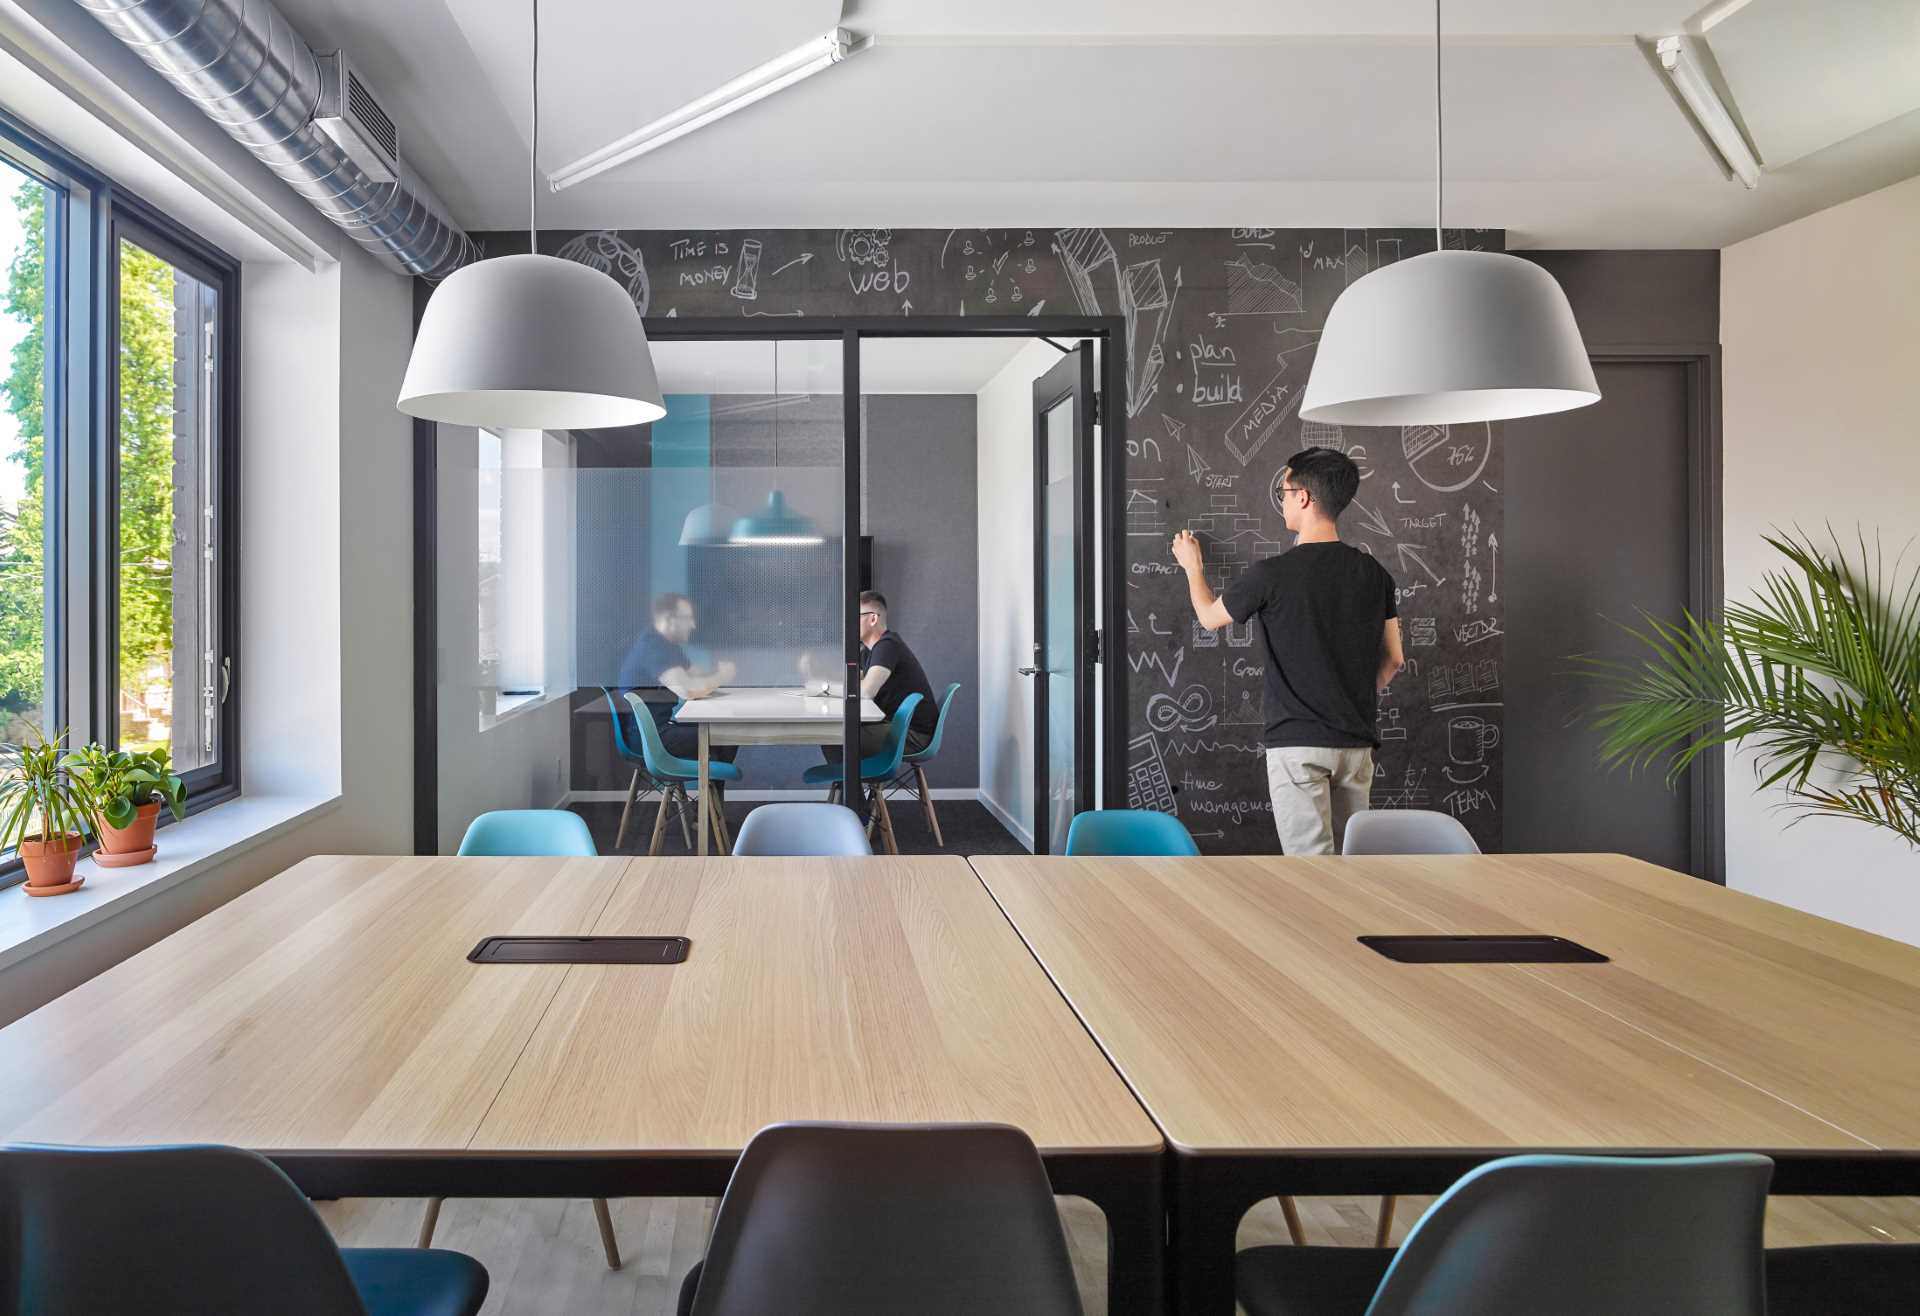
[(1148, 112), (887, 365)]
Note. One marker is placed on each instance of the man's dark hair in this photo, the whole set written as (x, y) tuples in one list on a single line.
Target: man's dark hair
[(1329, 477), (873, 598), (666, 605)]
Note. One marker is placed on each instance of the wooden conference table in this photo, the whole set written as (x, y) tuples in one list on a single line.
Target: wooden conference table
[(765, 717), (329, 1017), (1279, 1055)]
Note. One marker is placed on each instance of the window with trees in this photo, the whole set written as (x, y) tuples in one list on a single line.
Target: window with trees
[(118, 346)]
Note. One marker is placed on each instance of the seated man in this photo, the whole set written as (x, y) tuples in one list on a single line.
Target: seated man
[(890, 673), (658, 664)]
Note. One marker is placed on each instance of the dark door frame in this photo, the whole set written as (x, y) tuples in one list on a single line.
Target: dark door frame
[(1706, 779), (1069, 380), (1110, 329)]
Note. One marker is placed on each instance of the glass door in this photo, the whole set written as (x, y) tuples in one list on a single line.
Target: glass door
[(1063, 650)]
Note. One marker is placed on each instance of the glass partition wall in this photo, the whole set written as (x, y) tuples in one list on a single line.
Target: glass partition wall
[(706, 550)]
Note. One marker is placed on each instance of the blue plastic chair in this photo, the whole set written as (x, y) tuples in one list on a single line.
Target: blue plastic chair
[(528, 832), (643, 783), (802, 829), (1128, 832), (674, 773), (193, 1229), (876, 770), (1572, 1235), (914, 761)]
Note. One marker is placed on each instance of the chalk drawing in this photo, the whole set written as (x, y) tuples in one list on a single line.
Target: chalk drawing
[(1481, 628), (1447, 458), (1148, 786), (615, 257), (1270, 408), (1422, 632), (1145, 515), (1255, 287), (1143, 293), (1191, 711), (1158, 662)]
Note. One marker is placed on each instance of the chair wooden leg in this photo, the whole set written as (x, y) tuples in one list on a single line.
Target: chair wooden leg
[(926, 802), (1385, 1227), (886, 820), (608, 1243), (660, 822), (633, 793), (429, 1221), (718, 825), (833, 793), (1292, 1213), (680, 809)]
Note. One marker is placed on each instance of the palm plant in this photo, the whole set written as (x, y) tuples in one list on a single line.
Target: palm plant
[(40, 798), (1820, 670)]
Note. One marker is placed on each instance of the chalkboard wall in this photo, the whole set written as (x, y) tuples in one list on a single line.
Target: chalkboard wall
[(1221, 328)]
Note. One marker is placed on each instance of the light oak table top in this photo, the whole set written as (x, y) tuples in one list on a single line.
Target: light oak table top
[(1233, 996), (332, 1008), (885, 989)]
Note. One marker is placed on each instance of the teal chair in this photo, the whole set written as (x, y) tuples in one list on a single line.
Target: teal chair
[(528, 832), (644, 783), (1572, 1235), (673, 773), (1128, 832), (877, 771), (531, 832), (913, 764)]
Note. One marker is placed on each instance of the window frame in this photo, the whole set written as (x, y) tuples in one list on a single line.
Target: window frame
[(129, 219), (81, 456)]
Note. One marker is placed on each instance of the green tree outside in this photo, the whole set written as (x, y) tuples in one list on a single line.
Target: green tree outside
[(146, 476)]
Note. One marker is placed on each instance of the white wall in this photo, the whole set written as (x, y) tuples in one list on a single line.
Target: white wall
[(1820, 329), (1004, 416)]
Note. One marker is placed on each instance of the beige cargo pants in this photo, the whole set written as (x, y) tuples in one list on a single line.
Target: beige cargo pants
[(1314, 792)]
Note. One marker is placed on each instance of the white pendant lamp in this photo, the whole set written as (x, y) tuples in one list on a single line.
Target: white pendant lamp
[(531, 342), (1448, 337)]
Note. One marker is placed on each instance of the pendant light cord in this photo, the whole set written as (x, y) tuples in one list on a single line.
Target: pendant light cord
[(1439, 243), (533, 154)]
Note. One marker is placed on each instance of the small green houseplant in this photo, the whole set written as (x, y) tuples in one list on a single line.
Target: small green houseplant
[(45, 812), (1819, 674), (129, 787)]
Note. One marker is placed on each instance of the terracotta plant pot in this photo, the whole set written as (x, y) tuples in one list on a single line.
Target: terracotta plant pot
[(135, 836), (50, 863)]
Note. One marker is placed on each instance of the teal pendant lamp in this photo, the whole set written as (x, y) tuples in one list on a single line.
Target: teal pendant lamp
[(776, 525)]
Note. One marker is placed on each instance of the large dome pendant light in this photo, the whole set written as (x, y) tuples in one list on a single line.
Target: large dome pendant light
[(1448, 337), (531, 342)]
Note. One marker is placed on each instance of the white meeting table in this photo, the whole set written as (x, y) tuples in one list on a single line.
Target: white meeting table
[(787, 716)]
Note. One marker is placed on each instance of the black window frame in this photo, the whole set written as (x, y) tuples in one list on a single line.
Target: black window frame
[(85, 260)]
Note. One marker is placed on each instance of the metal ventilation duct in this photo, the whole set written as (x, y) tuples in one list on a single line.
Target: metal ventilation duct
[(243, 64)]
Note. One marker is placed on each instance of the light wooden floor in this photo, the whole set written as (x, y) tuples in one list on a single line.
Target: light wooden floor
[(544, 1256)]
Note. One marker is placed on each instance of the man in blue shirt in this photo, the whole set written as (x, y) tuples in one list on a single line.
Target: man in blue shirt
[(659, 668)]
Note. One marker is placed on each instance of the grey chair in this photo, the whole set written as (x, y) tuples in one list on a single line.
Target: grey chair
[(938, 1220), (1571, 1235), (1406, 831), (1401, 831), (194, 1229), (800, 828)]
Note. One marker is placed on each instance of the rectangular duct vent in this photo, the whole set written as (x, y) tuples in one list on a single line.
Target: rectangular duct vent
[(350, 115)]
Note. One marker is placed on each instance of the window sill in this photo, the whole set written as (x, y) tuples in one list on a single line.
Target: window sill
[(30, 924), (506, 709)]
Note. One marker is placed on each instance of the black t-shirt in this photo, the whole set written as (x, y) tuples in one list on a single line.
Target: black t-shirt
[(905, 677), (1324, 608), (652, 654)]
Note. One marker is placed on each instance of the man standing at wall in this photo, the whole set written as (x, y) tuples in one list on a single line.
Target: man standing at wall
[(1331, 632)]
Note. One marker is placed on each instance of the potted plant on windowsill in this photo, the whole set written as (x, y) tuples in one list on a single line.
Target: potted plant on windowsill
[(45, 813), (129, 787)]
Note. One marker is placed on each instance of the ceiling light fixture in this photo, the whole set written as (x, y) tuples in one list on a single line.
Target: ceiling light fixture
[(1448, 337), (755, 84), (776, 525), (531, 342), (1690, 82)]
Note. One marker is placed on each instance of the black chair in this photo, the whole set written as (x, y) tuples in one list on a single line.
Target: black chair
[(938, 1220), (1860, 1279), (166, 1230)]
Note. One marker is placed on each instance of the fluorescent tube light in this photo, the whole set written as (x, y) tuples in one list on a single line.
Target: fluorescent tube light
[(1683, 70), (755, 84)]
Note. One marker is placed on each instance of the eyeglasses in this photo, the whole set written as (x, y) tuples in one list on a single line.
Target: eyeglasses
[(1286, 489), (865, 615)]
